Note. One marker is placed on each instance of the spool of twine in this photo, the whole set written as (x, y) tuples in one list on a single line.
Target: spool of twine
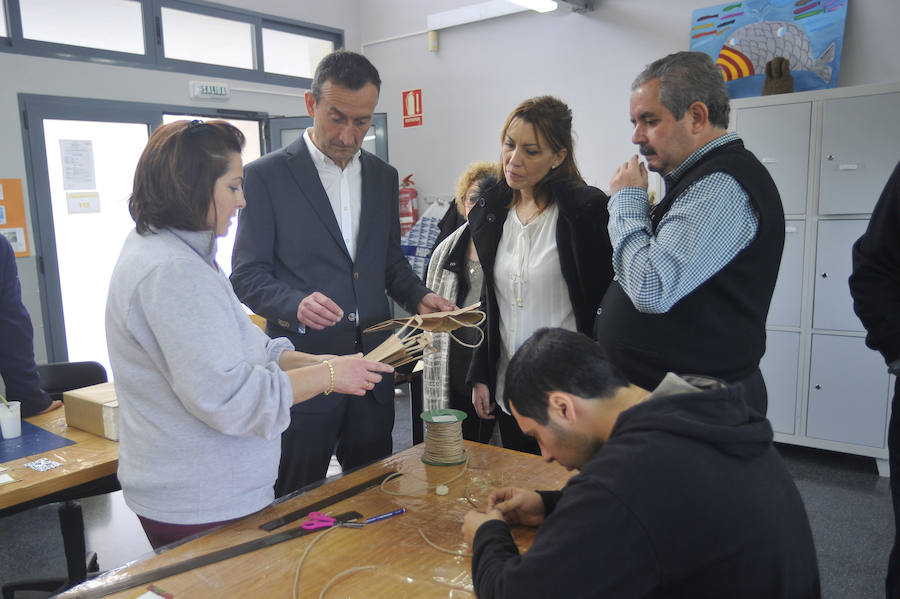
[(443, 437)]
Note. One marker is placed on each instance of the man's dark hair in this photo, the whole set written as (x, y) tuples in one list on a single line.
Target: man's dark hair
[(347, 69), (558, 360), (685, 78), (177, 172)]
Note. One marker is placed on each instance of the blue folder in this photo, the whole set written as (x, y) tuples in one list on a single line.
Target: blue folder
[(34, 440)]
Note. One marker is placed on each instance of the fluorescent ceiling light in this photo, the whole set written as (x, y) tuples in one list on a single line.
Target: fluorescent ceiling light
[(537, 5), (472, 14)]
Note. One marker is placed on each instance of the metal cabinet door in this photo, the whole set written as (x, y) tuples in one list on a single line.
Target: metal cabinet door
[(779, 137), (860, 147), (787, 300), (848, 392), (832, 304), (779, 367)]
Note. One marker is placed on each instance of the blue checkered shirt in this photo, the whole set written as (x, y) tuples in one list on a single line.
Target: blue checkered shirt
[(708, 225)]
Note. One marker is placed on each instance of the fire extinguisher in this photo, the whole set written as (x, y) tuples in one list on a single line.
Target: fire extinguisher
[(409, 211)]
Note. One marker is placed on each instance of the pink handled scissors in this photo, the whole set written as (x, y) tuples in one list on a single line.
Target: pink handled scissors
[(318, 520)]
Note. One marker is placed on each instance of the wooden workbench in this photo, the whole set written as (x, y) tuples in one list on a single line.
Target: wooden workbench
[(406, 566), (89, 459)]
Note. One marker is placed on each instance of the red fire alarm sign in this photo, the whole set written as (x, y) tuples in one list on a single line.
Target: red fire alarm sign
[(412, 108)]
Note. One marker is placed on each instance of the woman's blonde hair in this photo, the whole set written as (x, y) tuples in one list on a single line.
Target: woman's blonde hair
[(475, 172)]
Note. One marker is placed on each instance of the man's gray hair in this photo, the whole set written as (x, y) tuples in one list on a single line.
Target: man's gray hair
[(685, 78)]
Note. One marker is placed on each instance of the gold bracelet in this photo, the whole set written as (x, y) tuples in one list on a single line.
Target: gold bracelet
[(331, 372)]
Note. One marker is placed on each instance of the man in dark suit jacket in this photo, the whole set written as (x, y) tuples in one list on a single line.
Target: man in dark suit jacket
[(317, 247)]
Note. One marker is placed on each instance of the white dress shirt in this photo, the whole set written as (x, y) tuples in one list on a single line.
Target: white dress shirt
[(344, 190), (531, 291)]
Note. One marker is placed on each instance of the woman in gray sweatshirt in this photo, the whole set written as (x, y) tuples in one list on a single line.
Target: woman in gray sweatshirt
[(203, 393)]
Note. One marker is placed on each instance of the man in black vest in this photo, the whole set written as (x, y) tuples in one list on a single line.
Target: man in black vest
[(694, 272)]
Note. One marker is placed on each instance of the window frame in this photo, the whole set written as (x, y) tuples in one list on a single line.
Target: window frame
[(154, 58)]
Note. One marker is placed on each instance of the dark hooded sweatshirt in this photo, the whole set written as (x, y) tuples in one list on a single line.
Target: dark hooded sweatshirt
[(688, 498)]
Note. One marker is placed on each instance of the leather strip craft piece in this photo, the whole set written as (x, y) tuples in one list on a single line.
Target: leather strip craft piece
[(436, 322), (413, 339)]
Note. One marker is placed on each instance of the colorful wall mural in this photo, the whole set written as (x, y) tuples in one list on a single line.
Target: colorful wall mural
[(743, 36)]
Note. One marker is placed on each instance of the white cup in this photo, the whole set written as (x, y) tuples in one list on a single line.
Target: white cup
[(11, 420)]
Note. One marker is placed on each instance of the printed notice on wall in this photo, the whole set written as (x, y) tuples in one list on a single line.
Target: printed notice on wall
[(12, 216), (83, 201), (16, 238), (77, 163)]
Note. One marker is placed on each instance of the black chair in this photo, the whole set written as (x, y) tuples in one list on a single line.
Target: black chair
[(59, 377), (55, 379)]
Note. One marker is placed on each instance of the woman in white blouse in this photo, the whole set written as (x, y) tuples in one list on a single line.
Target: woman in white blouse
[(541, 235)]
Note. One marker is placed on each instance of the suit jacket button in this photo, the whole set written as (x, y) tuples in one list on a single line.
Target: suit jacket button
[(491, 218), (599, 311), (284, 324), (351, 317), (355, 276)]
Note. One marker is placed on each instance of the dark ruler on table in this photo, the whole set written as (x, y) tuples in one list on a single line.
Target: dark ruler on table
[(130, 582)]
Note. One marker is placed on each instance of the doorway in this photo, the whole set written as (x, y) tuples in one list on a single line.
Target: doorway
[(81, 156)]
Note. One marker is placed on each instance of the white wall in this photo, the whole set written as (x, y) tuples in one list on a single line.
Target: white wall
[(480, 73), (33, 75), (484, 69)]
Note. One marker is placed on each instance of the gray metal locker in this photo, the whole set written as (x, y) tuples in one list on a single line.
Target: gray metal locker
[(787, 298), (779, 367), (832, 304), (860, 147), (779, 137), (848, 392)]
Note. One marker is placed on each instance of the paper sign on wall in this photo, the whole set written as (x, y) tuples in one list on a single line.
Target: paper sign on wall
[(412, 108), (12, 216), (77, 163), (83, 201)]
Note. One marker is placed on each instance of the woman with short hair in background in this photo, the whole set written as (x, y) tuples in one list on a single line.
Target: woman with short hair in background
[(454, 272)]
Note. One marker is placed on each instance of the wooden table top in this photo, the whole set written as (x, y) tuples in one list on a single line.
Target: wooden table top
[(90, 458), (405, 565)]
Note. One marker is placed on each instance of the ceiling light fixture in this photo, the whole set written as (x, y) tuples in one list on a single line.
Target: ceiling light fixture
[(537, 5)]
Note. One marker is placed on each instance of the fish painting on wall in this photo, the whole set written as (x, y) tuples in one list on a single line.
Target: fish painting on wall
[(741, 37)]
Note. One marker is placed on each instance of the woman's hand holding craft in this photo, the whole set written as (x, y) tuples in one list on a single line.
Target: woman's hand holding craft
[(481, 399), (518, 506), (355, 375), (474, 519)]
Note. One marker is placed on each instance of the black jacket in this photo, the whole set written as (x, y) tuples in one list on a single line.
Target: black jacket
[(585, 256), (17, 365), (687, 499), (875, 282)]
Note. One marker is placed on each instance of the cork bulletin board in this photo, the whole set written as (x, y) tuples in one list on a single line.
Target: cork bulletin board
[(12, 216)]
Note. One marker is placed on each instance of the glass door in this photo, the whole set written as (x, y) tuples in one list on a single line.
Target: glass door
[(90, 168), (82, 155)]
